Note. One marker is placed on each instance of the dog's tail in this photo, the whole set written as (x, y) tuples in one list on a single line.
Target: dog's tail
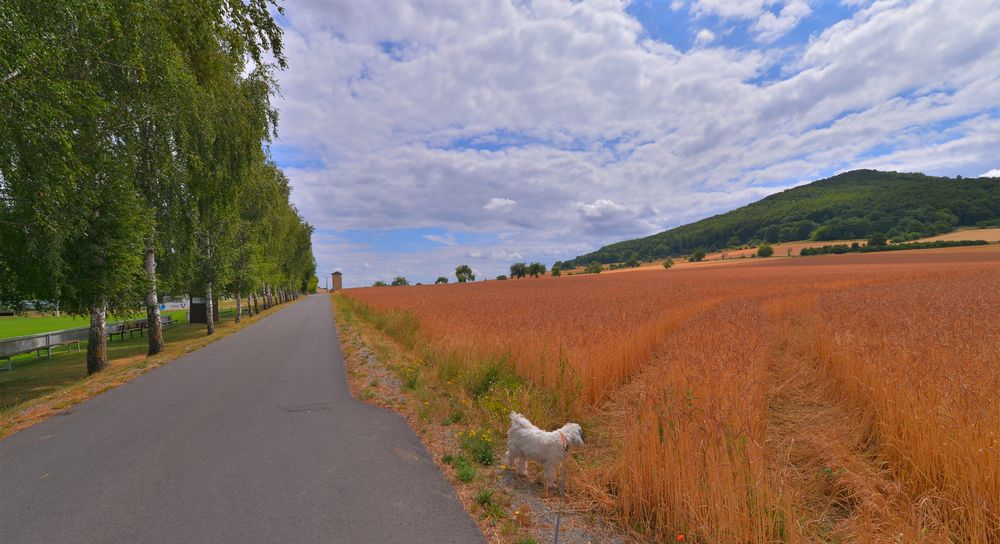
[(517, 420)]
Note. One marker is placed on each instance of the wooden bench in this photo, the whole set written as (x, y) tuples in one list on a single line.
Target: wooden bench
[(128, 327)]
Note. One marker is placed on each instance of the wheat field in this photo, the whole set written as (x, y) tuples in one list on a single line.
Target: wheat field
[(847, 398)]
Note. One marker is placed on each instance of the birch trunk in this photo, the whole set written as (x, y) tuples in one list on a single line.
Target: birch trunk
[(250, 311), (256, 305), (209, 307), (153, 325), (97, 340), (239, 306)]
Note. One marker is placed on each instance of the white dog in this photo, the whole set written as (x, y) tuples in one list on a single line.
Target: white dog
[(525, 441)]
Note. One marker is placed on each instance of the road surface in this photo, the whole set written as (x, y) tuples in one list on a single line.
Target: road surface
[(254, 438)]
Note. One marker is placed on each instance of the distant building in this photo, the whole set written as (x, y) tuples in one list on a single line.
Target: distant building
[(338, 281)]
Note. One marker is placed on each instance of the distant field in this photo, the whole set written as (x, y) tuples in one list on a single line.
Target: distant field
[(837, 398), (990, 235)]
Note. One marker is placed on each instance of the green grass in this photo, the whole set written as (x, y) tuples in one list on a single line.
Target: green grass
[(11, 326), (33, 377)]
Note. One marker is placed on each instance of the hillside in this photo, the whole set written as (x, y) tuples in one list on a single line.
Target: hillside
[(854, 204)]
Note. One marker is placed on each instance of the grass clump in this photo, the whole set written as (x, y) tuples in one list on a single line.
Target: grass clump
[(455, 416), (484, 497), (478, 445), (493, 373), (491, 504), (464, 470)]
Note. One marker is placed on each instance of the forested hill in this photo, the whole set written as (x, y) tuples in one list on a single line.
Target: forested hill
[(855, 204)]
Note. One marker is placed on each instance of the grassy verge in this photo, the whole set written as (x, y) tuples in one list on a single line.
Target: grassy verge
[(458, 404), (37, 388)]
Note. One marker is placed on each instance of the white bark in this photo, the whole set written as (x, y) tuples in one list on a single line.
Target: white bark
[(209, 308), (153, 325)]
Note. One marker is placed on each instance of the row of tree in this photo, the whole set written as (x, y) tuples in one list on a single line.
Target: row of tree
[(134, 159), (520, 270)]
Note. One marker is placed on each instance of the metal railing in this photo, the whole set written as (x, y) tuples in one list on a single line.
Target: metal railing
[(10, 347)]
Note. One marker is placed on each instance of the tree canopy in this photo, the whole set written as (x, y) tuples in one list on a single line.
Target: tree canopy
[(135, 133)]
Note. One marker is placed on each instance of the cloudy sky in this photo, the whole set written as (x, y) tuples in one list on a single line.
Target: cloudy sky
[(420, 135)]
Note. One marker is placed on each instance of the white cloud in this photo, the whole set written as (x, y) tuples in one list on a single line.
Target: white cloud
[(739, 9), (995, 173), (593, 131), (704, 37), (448, 240), (772, 19), (769, 27), (499, 204), (599, 209)]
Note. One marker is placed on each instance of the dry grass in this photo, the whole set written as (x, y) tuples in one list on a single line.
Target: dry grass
[(841, 398)]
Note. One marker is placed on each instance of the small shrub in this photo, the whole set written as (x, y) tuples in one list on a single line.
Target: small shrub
[(668, 263), (527, 540), (765, 250)]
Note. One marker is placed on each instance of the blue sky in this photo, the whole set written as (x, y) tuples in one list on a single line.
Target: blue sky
[(421, 135)]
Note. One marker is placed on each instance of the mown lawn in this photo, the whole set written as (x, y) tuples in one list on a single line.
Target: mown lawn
[(11, 326)]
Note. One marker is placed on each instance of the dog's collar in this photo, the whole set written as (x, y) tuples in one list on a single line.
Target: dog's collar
[(565, 442)]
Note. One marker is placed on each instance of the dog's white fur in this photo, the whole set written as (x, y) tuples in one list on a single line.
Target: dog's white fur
[(525, 441)]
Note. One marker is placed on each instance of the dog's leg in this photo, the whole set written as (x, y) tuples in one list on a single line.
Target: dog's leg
[(548, 477), (522, 465)]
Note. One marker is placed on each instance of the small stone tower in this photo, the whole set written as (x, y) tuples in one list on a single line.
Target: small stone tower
[(338, 281)]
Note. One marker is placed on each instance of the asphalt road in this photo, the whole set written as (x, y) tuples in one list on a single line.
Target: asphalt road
[(254, 438)]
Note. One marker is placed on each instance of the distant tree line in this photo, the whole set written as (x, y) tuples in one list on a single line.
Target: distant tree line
[(521, 270), (134, 159), (838, 249), (851, 205)]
